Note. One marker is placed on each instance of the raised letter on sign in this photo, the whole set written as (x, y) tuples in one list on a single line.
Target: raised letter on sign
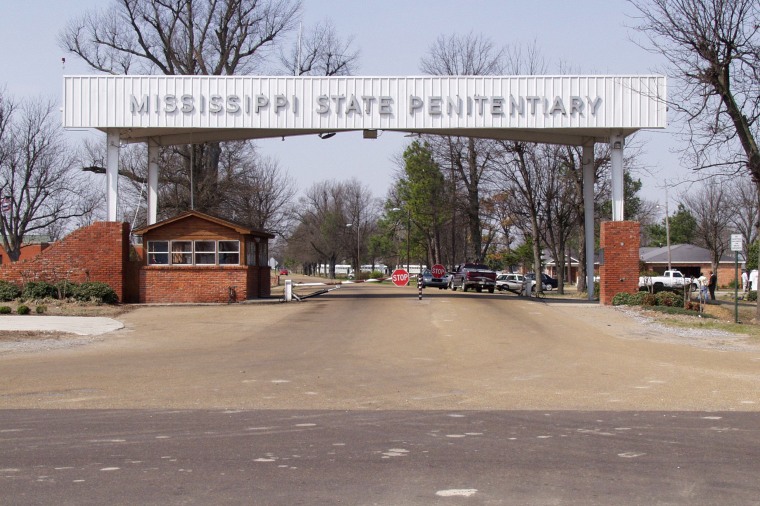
[(576, 105), (415, 103), (594, 104), (435, 106), (558, 106), (141, 106), (454, 104), (323, 104), (262, 101), (353, 106), (280, 102), (215, 104), (516, 105), (188, 103), (233, 104), (386, 105)]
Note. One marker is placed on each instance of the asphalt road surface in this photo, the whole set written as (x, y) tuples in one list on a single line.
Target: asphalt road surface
[(368, 396)]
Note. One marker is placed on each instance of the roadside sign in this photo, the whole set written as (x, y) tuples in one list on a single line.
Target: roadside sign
[(737, 242), (400, 277), (438, 271)]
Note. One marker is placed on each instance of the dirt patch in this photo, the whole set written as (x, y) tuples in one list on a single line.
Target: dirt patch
[(66, 308), (7, 336)]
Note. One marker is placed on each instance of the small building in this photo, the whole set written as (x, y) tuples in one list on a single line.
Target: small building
[(691, 260), (195, 257)]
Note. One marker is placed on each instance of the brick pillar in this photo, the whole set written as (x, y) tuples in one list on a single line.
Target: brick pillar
[(620, 271)]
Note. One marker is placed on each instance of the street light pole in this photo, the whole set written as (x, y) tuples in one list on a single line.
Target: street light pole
[(667, 228), (667, 225), (408, 236), (408, 230)]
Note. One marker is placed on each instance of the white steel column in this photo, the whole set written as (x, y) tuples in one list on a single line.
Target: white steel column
[(588, 215), (617, 143), (112, 173), (152, 181)]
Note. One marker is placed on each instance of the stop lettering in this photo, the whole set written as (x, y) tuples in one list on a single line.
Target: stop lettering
[(400, 277)]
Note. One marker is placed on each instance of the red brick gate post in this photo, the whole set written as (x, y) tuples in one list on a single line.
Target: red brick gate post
[(619, 272)]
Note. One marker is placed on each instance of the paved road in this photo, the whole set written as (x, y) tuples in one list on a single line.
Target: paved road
[(369, 396)]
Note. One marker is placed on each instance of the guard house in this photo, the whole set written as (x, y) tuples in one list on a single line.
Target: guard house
[(195, 257)]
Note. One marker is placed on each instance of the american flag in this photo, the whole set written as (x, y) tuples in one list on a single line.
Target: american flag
[(6, 204)]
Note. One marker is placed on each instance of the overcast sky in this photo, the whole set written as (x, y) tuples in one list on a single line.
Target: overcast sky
[(588, 36)]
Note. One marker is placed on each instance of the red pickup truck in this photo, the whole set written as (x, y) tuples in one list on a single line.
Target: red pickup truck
[(476, 276)]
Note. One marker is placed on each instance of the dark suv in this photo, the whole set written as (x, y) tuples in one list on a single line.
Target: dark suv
[(548, 282)]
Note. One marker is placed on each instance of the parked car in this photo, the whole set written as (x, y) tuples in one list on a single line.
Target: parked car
[(284, 272), (477, 276), (429, 280), (512, 282), (547, 282)]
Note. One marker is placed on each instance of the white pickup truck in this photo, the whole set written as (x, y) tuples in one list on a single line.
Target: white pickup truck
[(668, 280)]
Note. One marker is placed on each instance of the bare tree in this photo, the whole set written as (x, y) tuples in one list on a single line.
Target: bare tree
[(188, 37), (713, 48), (522, 176), (38, 187), (260, 194), (323, 215), (745, 205), (560, 197), (711, 208), (471, 158), (191, 37), (321, 52)]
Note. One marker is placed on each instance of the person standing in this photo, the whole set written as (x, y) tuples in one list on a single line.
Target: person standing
[(711, 284), (702, 281), (745, 281)]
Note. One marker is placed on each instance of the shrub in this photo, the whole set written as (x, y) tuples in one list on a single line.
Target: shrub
[(376, 275), (669, 299), (621, 299), (649, 299), (95, 291), (65, 289), (5, 310), (36, 290), (752, 296), (8, 291), (637, 299), (23, 309), (41, 309)]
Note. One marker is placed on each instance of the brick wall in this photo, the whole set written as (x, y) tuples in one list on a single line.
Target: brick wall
[(192, 284), (94, 253), (620, 270)]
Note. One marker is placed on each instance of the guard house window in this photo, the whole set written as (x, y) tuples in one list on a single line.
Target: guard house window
[(229, 252), (205, 252), (182, 253), (158, 252), (193, 252)]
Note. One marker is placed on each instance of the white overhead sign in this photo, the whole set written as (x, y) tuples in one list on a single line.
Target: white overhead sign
[(155, 106)]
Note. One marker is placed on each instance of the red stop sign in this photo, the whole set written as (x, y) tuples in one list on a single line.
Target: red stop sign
[(438, 271), (400, 277)]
